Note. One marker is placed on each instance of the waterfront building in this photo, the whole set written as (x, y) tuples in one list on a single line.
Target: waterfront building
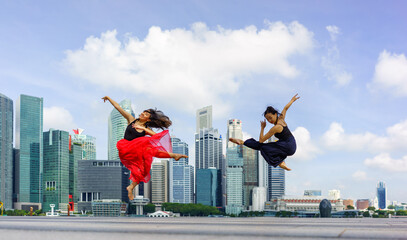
[(101, 179), (234, 178), (159, 182), (181, 175), (107, 208), (250, 175), (88, 144), (208, 187), (117, 125), (362, 204), (312, 193), (6, 151), (259, 198), (29, 122), (56, 169), (382, 195), (302, 203)]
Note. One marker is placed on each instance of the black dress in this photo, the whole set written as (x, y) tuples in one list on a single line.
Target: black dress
[(275, 152)]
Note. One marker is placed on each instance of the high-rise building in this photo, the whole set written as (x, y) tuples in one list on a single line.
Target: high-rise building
[(234, 178), (75, 154), (276, 185), (203, 118), (101, 179), (56, 169), (29, 122), (259, 198), (159, 182), (181, 175), (382, 195), (208, 149), (88, 144), (347, 202), (117, 125), (6, 151), (250, 174), (208, 187), (234, 131)]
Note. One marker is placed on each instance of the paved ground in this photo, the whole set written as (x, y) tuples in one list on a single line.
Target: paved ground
[(78, 228)]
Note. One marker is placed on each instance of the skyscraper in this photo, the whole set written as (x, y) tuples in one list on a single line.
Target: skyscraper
[(208, 149), (6, 151), (181, 175), (276, 188), (117, 125), (88, 144), (159, 182), (56, 169), (204, 118), (208, 188), (234, 178), (29, 122), (382, 195), (75, 154), (234, 131), (250, 175)]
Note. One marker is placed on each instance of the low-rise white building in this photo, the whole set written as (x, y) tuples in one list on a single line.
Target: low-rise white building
[(302, 203), (161, 214)]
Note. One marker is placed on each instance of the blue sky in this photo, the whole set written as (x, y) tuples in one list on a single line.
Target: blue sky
[(346, 60)]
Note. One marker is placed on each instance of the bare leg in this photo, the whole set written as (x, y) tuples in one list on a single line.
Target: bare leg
[(283, 166), (177, 156), (130, 190), (237, 141)]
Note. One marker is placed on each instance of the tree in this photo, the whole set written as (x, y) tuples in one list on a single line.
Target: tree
[(149, 208), (371, 208), (350, 207), (391, 207), (366, 214)]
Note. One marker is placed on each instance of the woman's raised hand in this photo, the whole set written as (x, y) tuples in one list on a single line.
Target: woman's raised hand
[(263, 124), (295, 98), (105, 98)]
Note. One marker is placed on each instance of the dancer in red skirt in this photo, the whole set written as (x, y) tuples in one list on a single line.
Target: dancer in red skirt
[(136, 150)]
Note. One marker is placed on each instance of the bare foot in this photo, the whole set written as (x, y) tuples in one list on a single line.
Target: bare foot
[(178, 156), (237, 141), (130, 193), (283, 166)]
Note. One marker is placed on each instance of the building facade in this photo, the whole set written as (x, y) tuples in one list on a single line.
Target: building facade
[(208, 149), (382, 195), (234, 178), (259, 198), (56, 169), (312, 193), (204, 118), (302, 204), (101, 179), (208, 187), (117, 125), (362, 204), (181, 175), (6, 151), (75, 154), (159, 182), (250, 175), (276, 185), (29, 123), (88, 144)]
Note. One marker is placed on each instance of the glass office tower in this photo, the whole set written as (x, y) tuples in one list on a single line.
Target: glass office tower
[(6, 151)]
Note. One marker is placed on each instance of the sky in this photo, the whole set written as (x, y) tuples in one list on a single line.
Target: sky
[(345, 59)]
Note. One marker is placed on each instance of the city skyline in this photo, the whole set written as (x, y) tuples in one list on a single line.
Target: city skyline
[(350, 77)]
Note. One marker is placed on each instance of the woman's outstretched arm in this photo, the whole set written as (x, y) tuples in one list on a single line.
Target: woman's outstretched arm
[(293, 99), (125, 114)]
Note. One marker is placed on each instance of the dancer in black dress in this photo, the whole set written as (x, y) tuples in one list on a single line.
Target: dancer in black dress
[(274, 152)]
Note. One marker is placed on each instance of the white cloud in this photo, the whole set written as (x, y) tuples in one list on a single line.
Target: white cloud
[(359, 175), (384, 161), (246, 135), (306, 149), (334, 71), (333, 31), (390, 74), (58, 118), (336, 139), (189, 68)]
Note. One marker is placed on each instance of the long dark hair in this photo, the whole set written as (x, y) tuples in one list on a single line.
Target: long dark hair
[(271, 110), (157, 119)]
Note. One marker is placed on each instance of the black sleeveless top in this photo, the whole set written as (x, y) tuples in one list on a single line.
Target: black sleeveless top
[(284, 135), (132, 133)]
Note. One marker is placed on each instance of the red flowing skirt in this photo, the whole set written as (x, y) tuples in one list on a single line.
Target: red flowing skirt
[(137, 155)]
